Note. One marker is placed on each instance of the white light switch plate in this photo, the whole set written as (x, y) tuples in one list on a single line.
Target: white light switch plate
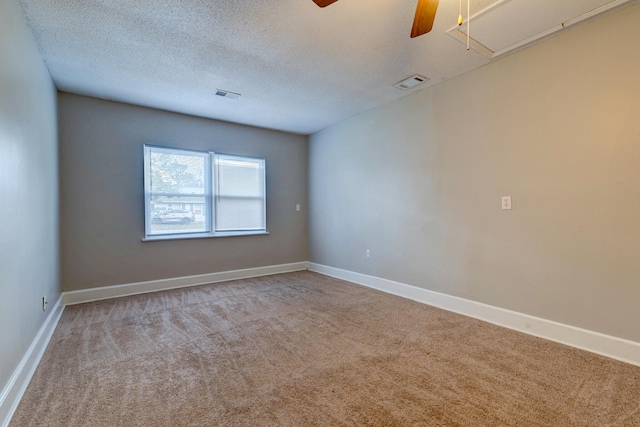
[(506, 202)]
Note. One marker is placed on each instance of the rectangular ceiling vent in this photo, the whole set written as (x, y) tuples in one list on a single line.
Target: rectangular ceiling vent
[(410, 82), (227, 94)]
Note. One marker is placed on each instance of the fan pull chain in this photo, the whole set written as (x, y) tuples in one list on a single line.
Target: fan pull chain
[(460, 15), (468, 22)]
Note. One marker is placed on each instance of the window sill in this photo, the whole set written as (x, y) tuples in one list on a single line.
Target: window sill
[(203, 235)]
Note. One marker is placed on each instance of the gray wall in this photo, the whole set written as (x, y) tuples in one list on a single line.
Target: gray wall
[(102, 208), (29, 253), (556, 126)]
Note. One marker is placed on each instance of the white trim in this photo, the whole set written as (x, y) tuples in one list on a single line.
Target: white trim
[(594, 12), (95, 294), (473, 43), (461, 36), (595, 342), (14, 389), (218, 235)]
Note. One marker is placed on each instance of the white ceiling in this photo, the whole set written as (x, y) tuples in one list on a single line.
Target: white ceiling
[(298, 67)]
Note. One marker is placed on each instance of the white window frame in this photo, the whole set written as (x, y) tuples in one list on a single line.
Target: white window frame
[(211, 172), (216, 191)]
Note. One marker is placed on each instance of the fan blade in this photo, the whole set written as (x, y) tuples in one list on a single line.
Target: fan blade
[(324, 3), (425, 15)]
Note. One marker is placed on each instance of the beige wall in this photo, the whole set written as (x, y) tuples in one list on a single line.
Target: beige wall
[(102, 207), (29, 252), (556, 126)]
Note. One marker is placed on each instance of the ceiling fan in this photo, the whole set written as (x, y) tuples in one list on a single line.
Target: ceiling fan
[(422, 22)]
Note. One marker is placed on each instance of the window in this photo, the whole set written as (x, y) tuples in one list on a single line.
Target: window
[(202, 194)]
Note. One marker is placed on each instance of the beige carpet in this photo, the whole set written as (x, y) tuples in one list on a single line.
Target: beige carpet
[(303, 349)]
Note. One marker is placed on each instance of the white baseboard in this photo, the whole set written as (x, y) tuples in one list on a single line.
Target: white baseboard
[(605, 345), (595, 342), (14, 389), (95, 294)]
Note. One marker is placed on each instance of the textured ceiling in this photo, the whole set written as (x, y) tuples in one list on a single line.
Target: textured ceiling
[(299, 68)]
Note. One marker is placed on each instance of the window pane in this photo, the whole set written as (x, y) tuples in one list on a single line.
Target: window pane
[(240, 197), (167, 219), (239, 214), (177, 191), (177, 173)]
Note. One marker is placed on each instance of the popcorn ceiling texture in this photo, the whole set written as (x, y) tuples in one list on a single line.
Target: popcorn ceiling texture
[(303, 349), (298, 67)]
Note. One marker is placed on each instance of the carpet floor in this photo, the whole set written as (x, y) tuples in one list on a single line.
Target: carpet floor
[(303, 349)]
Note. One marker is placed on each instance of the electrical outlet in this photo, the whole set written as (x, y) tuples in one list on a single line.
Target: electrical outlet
[(367, 253), (298, 208), (506, 202), (44, 303)]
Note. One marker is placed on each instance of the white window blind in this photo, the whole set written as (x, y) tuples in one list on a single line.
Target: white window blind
[(240, 193)]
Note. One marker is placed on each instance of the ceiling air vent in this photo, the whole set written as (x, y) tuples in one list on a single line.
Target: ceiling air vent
[(227, 94), (410, 82)]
